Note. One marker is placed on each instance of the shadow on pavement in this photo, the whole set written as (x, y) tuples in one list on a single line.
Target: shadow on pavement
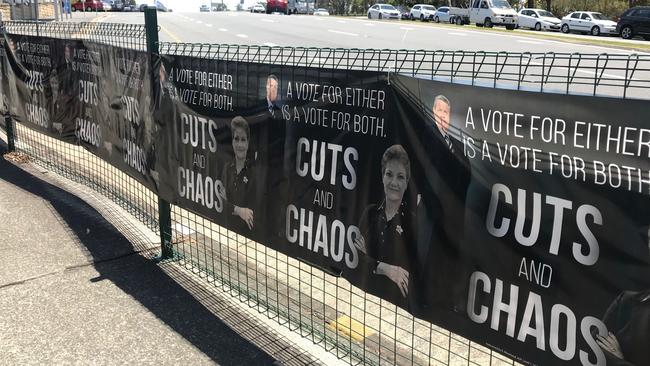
[(114, 259)]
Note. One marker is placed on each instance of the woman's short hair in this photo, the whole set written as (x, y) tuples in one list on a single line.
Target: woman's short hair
[(396, 152), (241, 123)]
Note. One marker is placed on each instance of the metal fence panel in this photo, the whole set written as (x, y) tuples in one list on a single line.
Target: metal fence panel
[(359, 328)]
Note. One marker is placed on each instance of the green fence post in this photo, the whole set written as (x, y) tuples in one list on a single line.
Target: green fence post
[(164, 208), (9, 126)]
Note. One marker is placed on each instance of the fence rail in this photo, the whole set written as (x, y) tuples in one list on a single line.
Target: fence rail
[(614, 75), (301, 297)]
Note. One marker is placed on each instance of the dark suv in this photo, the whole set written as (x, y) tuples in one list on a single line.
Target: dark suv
[(635, 22)]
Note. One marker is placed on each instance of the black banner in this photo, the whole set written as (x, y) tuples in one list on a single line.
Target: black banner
[(86, 93), (516, 219), (554, 240)]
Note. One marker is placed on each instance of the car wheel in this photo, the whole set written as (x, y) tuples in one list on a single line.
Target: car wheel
[(459, 21), (379, 16), (595, 31), (627, 33), (411, 17), (510, 27), (421, 17), (89, 9), (488, 23), (369, 16), (437, 20), (538, 26), (565, 28)]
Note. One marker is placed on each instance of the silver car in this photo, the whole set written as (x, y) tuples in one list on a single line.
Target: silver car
[(383, 11), (441, 15)]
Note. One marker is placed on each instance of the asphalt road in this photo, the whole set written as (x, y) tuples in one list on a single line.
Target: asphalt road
[(585, 68), (309, 31)]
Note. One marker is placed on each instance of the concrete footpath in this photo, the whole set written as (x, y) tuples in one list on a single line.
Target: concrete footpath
[(74, 290)]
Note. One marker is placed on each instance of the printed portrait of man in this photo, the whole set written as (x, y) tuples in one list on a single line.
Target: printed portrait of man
[(273, 96), (440, 211)]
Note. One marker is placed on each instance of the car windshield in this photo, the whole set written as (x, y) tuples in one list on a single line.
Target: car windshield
[(598, 16), (544, 13), (503, 4), (429, 7), (388, 7)]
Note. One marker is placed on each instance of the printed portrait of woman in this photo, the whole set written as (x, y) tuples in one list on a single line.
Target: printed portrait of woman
[(628, 322), (239, 180), (387, 231)]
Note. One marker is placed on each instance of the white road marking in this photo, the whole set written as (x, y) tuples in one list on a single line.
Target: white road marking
[(344, 33), (456, 34), (223, 30), (269, 44), (529, 42), (199, 22), (369, 24), (208, 25), (406, 29), (241, 35), (341, 21), (268, 20)]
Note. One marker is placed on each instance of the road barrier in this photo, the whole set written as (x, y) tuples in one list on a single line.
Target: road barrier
[(309, 298)]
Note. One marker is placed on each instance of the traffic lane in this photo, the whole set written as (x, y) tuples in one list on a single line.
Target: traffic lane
[(303, 31), (275, 30)]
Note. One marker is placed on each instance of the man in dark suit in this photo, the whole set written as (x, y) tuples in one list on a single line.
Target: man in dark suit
[(440, 211), (272, 96)]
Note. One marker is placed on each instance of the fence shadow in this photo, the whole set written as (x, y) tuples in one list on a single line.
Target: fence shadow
[(115, 259)]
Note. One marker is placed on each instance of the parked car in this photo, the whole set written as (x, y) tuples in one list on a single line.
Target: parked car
[(258, 8), (106, 5), (321, 12), (383, 11), (635, 22), (442, 15), (117, 5), (88, 5), (277, 6), (404, 12), (486, 13), (588, 22), (538, 20), (423, 12), (204, 8)]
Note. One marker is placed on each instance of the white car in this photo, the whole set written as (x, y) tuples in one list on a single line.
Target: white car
[(321, 12), (423, 12), (588, 22), (383, 11), (538, 20), (258, 8), (441, 15)]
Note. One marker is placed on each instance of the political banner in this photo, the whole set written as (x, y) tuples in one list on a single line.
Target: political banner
[(513, 218), (86, 93), (554, 241), (516, 219)]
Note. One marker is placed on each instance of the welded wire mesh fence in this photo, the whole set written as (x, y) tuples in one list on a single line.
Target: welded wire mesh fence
[(116, 34), (359, 328), (614, 75)]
